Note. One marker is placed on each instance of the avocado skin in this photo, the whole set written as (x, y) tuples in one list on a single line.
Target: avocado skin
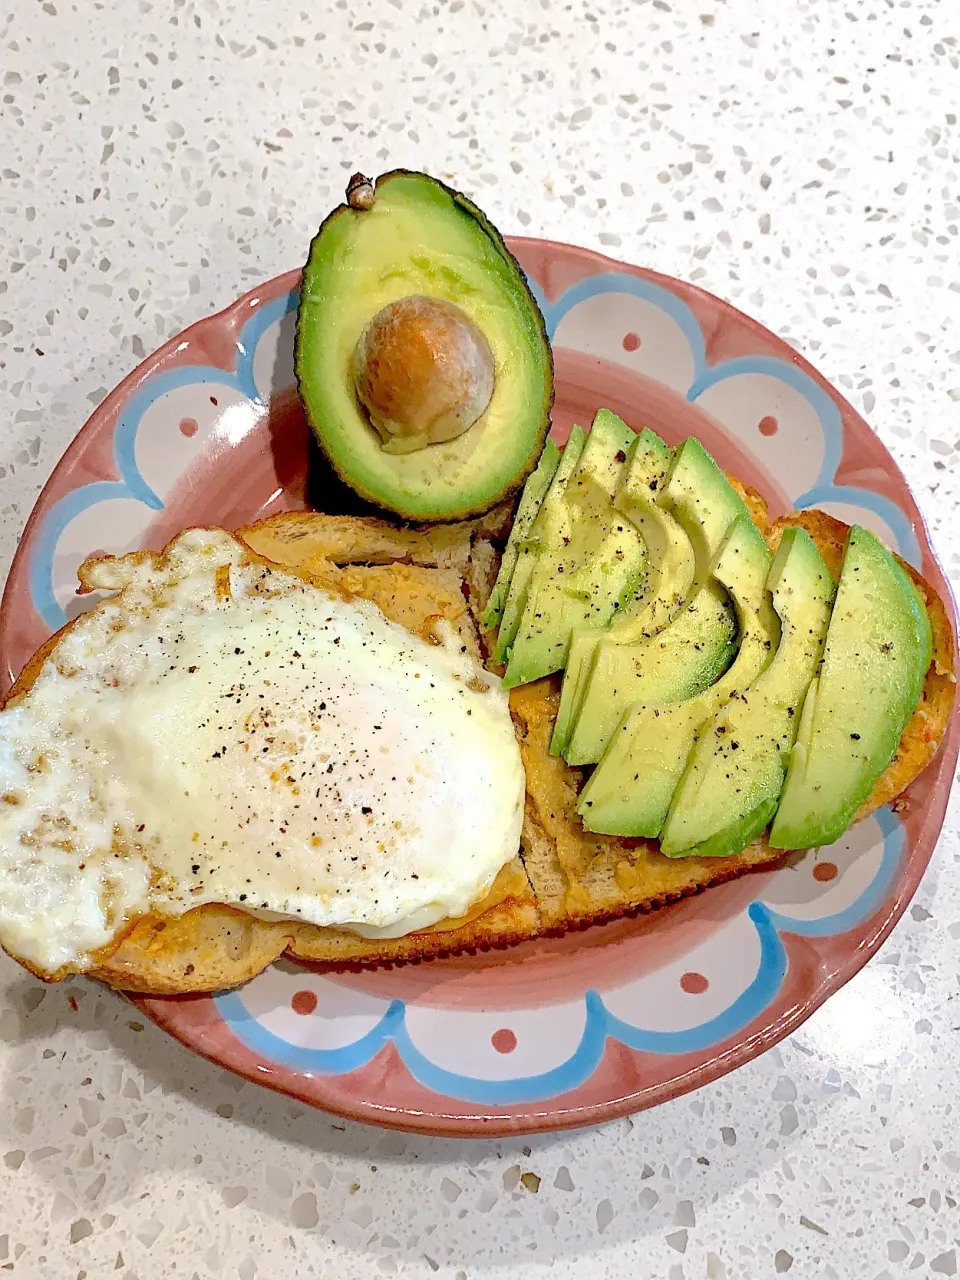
[(336, 465)]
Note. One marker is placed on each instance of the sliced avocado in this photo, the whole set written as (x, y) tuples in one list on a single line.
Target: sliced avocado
[(630, 791), (582, 578), (733, 779), (669, 575), (411, 239), (700, 641), (877, 652), (551, 524), (702, 499), (687, 656), (533, 494), (672, 561)]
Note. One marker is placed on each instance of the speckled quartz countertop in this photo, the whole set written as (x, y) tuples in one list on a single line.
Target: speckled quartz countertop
[(800, 159)]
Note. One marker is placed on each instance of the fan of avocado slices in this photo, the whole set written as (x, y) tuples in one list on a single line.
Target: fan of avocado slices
[(720, 690), (422, 361)]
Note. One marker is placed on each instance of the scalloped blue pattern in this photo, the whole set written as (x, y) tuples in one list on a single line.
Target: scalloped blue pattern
[(131, 483), (706, 376), (600, 1023)]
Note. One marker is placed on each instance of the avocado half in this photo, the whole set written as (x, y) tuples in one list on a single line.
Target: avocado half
[(407, 235)]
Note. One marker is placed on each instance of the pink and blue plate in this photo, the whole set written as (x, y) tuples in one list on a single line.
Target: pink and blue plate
[(561, 1032)]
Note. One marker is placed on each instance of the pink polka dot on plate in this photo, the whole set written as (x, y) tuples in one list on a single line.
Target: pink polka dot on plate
[(824, 871), (504, 1041), (768, 425), (631, 342), (694, 984), (303, 1002), (189, 427)]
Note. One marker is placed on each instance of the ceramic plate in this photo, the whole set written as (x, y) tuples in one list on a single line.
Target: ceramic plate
[(561, 1032)]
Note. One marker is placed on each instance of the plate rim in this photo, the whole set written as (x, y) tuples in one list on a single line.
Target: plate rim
[(544, 1116)]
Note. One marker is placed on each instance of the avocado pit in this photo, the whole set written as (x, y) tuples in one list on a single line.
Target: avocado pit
[(423, 371), (416, 325)]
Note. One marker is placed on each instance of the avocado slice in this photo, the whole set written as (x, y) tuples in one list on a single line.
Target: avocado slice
[(597, 561), (698, 645), (533, 494), (550, 526), (669, 576), (630, 791), (733, 779), (877, 652), (671, 558), (411, 239)]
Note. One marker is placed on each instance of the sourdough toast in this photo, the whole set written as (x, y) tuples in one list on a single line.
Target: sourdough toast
[(565, 878)]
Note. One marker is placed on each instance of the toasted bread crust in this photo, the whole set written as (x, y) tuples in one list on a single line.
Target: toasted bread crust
[(308, 538), (214, 947), (568, 879)]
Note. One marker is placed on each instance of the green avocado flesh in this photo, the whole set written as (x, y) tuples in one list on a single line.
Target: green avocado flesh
[(732, 783), (723, 690), (669, 575), (421, 238), (533, 494), (630, 791), (548, 528), (877, 651), (693, 650), (591, 561)]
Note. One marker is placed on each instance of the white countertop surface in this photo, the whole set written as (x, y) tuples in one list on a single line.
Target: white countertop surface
[(159, 157)]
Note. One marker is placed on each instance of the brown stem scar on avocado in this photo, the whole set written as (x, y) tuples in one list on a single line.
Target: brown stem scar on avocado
[(360, 192)]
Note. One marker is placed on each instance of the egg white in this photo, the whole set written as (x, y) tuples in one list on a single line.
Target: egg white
[(221, 731)]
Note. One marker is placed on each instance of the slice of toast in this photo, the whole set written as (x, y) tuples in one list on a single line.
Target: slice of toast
[(566, 878)]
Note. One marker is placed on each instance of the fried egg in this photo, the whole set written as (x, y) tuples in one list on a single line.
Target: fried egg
[(222, 731)]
